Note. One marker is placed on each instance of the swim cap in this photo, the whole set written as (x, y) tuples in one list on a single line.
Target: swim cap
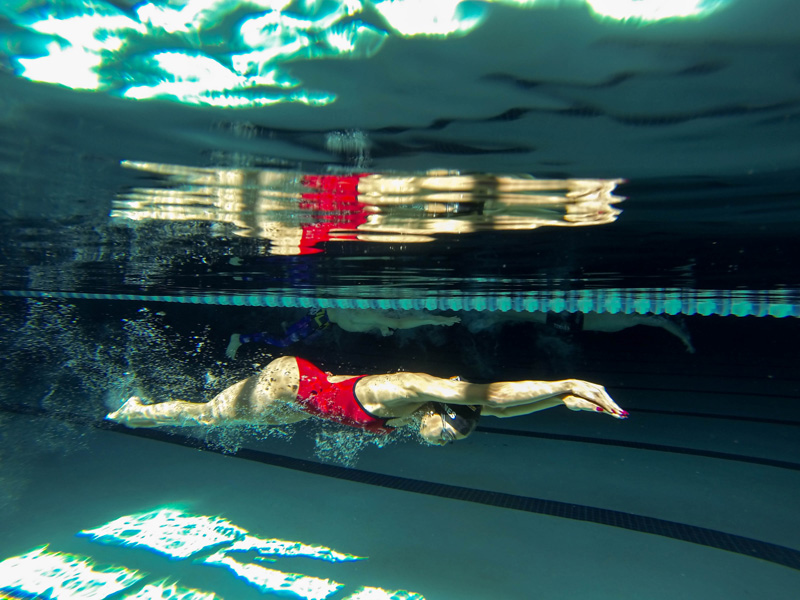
[(462, 418)]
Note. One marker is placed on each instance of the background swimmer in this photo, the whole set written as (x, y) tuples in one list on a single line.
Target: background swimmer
[(352, 320), (566, 322)]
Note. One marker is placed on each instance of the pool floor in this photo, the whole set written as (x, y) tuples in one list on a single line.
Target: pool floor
[(467, 521)]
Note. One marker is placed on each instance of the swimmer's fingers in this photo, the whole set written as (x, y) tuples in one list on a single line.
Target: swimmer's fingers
[(598, 394), (604, 401), (590, 396), (575, 403)]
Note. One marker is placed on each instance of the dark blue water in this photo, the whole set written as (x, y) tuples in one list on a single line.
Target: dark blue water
[(697, 115)]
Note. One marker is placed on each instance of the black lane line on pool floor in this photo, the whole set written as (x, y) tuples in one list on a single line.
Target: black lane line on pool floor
[(722, 417), (711, 538), (565, 437)]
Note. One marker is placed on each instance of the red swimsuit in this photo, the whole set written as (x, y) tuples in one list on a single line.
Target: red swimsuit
[(335, 401), (333, 203)]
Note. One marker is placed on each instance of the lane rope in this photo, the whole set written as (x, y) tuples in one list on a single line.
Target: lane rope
[(670, 301)]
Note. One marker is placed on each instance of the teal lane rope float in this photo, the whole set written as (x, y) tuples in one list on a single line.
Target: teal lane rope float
[(672, 301)]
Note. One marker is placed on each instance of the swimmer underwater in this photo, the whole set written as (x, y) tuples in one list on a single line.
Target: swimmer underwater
[(291, 389)]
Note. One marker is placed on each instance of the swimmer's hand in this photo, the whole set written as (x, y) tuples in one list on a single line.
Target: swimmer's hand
[(131, 414), (584, 395), (446, 321)]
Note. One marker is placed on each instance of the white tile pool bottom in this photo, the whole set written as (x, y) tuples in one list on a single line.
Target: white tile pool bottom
[(437, 547)]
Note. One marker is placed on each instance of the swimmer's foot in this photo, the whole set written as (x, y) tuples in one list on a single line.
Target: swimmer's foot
[(676, 326), (131, 414), (233, 346)]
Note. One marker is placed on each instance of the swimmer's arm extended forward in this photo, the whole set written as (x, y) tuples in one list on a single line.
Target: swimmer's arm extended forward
[(363, 320)]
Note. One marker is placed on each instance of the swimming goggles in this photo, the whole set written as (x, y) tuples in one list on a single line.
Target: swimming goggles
[(447, 435)]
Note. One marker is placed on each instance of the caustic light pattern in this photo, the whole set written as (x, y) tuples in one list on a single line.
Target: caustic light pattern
[(164, 591), (178, 535), (63, 576), (235, 54), (167, 531)]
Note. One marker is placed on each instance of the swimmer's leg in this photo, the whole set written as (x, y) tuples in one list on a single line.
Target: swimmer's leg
[(233, 345), (607, 322), (176, 413), (676, 328)]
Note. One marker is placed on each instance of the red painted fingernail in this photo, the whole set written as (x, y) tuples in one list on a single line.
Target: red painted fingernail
[(599, 409)]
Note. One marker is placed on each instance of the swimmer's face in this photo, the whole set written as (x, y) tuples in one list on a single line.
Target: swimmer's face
[(435, 430)]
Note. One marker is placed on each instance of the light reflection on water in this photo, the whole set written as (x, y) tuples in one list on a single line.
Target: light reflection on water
[(227, 53), (297, 212)]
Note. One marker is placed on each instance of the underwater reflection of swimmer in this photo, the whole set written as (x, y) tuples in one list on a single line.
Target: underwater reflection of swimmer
[(352, 320), (566, 322), (291, 389), (298, 212)]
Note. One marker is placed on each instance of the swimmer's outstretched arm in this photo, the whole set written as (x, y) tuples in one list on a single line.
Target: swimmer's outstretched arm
[(363, 320), (506, 398), (522, 397), (525, 409)]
